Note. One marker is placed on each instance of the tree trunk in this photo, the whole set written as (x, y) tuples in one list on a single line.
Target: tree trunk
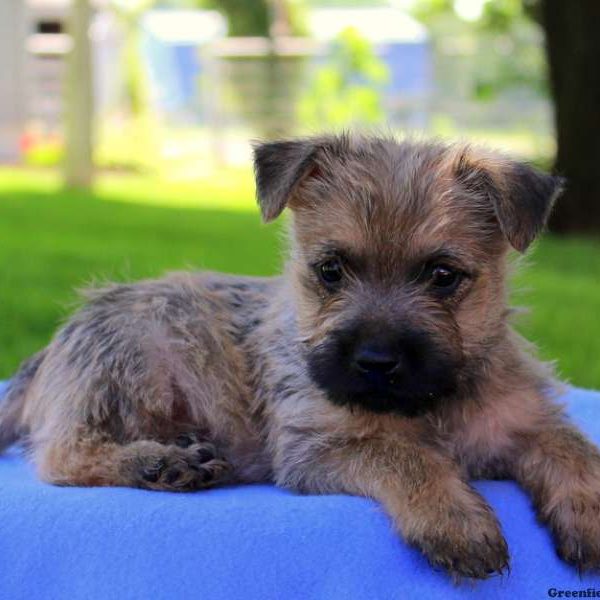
[(573, 49), (79, 104)]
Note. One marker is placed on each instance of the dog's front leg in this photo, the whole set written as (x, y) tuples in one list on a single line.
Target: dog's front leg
[(422, 490), (561, 471)]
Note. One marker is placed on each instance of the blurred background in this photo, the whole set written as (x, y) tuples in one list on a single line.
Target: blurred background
[(125, 129)]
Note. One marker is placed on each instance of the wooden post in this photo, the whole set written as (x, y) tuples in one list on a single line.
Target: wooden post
[(79, 100), (13, 30)]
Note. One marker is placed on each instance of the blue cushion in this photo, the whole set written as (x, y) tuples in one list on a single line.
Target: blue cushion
[(253, 542)]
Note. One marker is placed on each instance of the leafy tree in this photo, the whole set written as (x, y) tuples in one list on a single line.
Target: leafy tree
[(246, 17), (506, 53), (507, 24), (347, 90), (259, 17)]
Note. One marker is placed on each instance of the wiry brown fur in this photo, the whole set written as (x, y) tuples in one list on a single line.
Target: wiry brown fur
[(200, 379)]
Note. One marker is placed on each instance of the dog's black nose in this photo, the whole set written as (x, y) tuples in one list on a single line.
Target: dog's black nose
[(368, 359)]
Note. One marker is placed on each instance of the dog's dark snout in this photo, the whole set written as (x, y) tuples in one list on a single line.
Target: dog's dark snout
[(370, 359)]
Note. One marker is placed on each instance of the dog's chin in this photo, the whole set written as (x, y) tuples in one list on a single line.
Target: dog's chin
[(393, 400), (384, 404), (413, 396)]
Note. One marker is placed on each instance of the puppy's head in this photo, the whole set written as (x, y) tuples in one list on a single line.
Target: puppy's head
[(399, 259)]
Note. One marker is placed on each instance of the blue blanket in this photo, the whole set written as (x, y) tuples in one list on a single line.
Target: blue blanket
[(254, 542)]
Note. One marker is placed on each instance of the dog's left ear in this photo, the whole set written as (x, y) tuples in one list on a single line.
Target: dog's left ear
[(279, 168), (521, 196)]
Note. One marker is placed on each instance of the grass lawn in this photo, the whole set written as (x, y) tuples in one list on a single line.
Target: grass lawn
[(52, 242)]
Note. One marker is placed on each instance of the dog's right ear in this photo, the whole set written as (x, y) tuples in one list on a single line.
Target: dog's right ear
[(520, 195), (279, 168)]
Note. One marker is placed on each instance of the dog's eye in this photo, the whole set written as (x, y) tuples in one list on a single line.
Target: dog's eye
[(444, 279), (331, 271)]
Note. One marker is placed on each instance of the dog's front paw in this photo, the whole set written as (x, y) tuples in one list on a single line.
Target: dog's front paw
[(473, 548), (575, 524)]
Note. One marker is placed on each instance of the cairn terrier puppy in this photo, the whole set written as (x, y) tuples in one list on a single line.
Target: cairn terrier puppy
[(380, 364)]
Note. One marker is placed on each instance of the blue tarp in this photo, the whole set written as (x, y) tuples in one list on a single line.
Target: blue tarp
[(251, 542)]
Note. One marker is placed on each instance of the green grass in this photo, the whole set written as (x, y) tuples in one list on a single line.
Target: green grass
[(52, 242)]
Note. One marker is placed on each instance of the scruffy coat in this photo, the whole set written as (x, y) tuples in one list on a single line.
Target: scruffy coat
[(200, 379)]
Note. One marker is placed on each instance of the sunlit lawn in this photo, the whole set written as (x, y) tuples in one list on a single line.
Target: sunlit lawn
[(52, 242)]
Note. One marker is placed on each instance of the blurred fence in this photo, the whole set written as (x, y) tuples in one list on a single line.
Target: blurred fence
[(245, 88), (260, 83), (223, 91)]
